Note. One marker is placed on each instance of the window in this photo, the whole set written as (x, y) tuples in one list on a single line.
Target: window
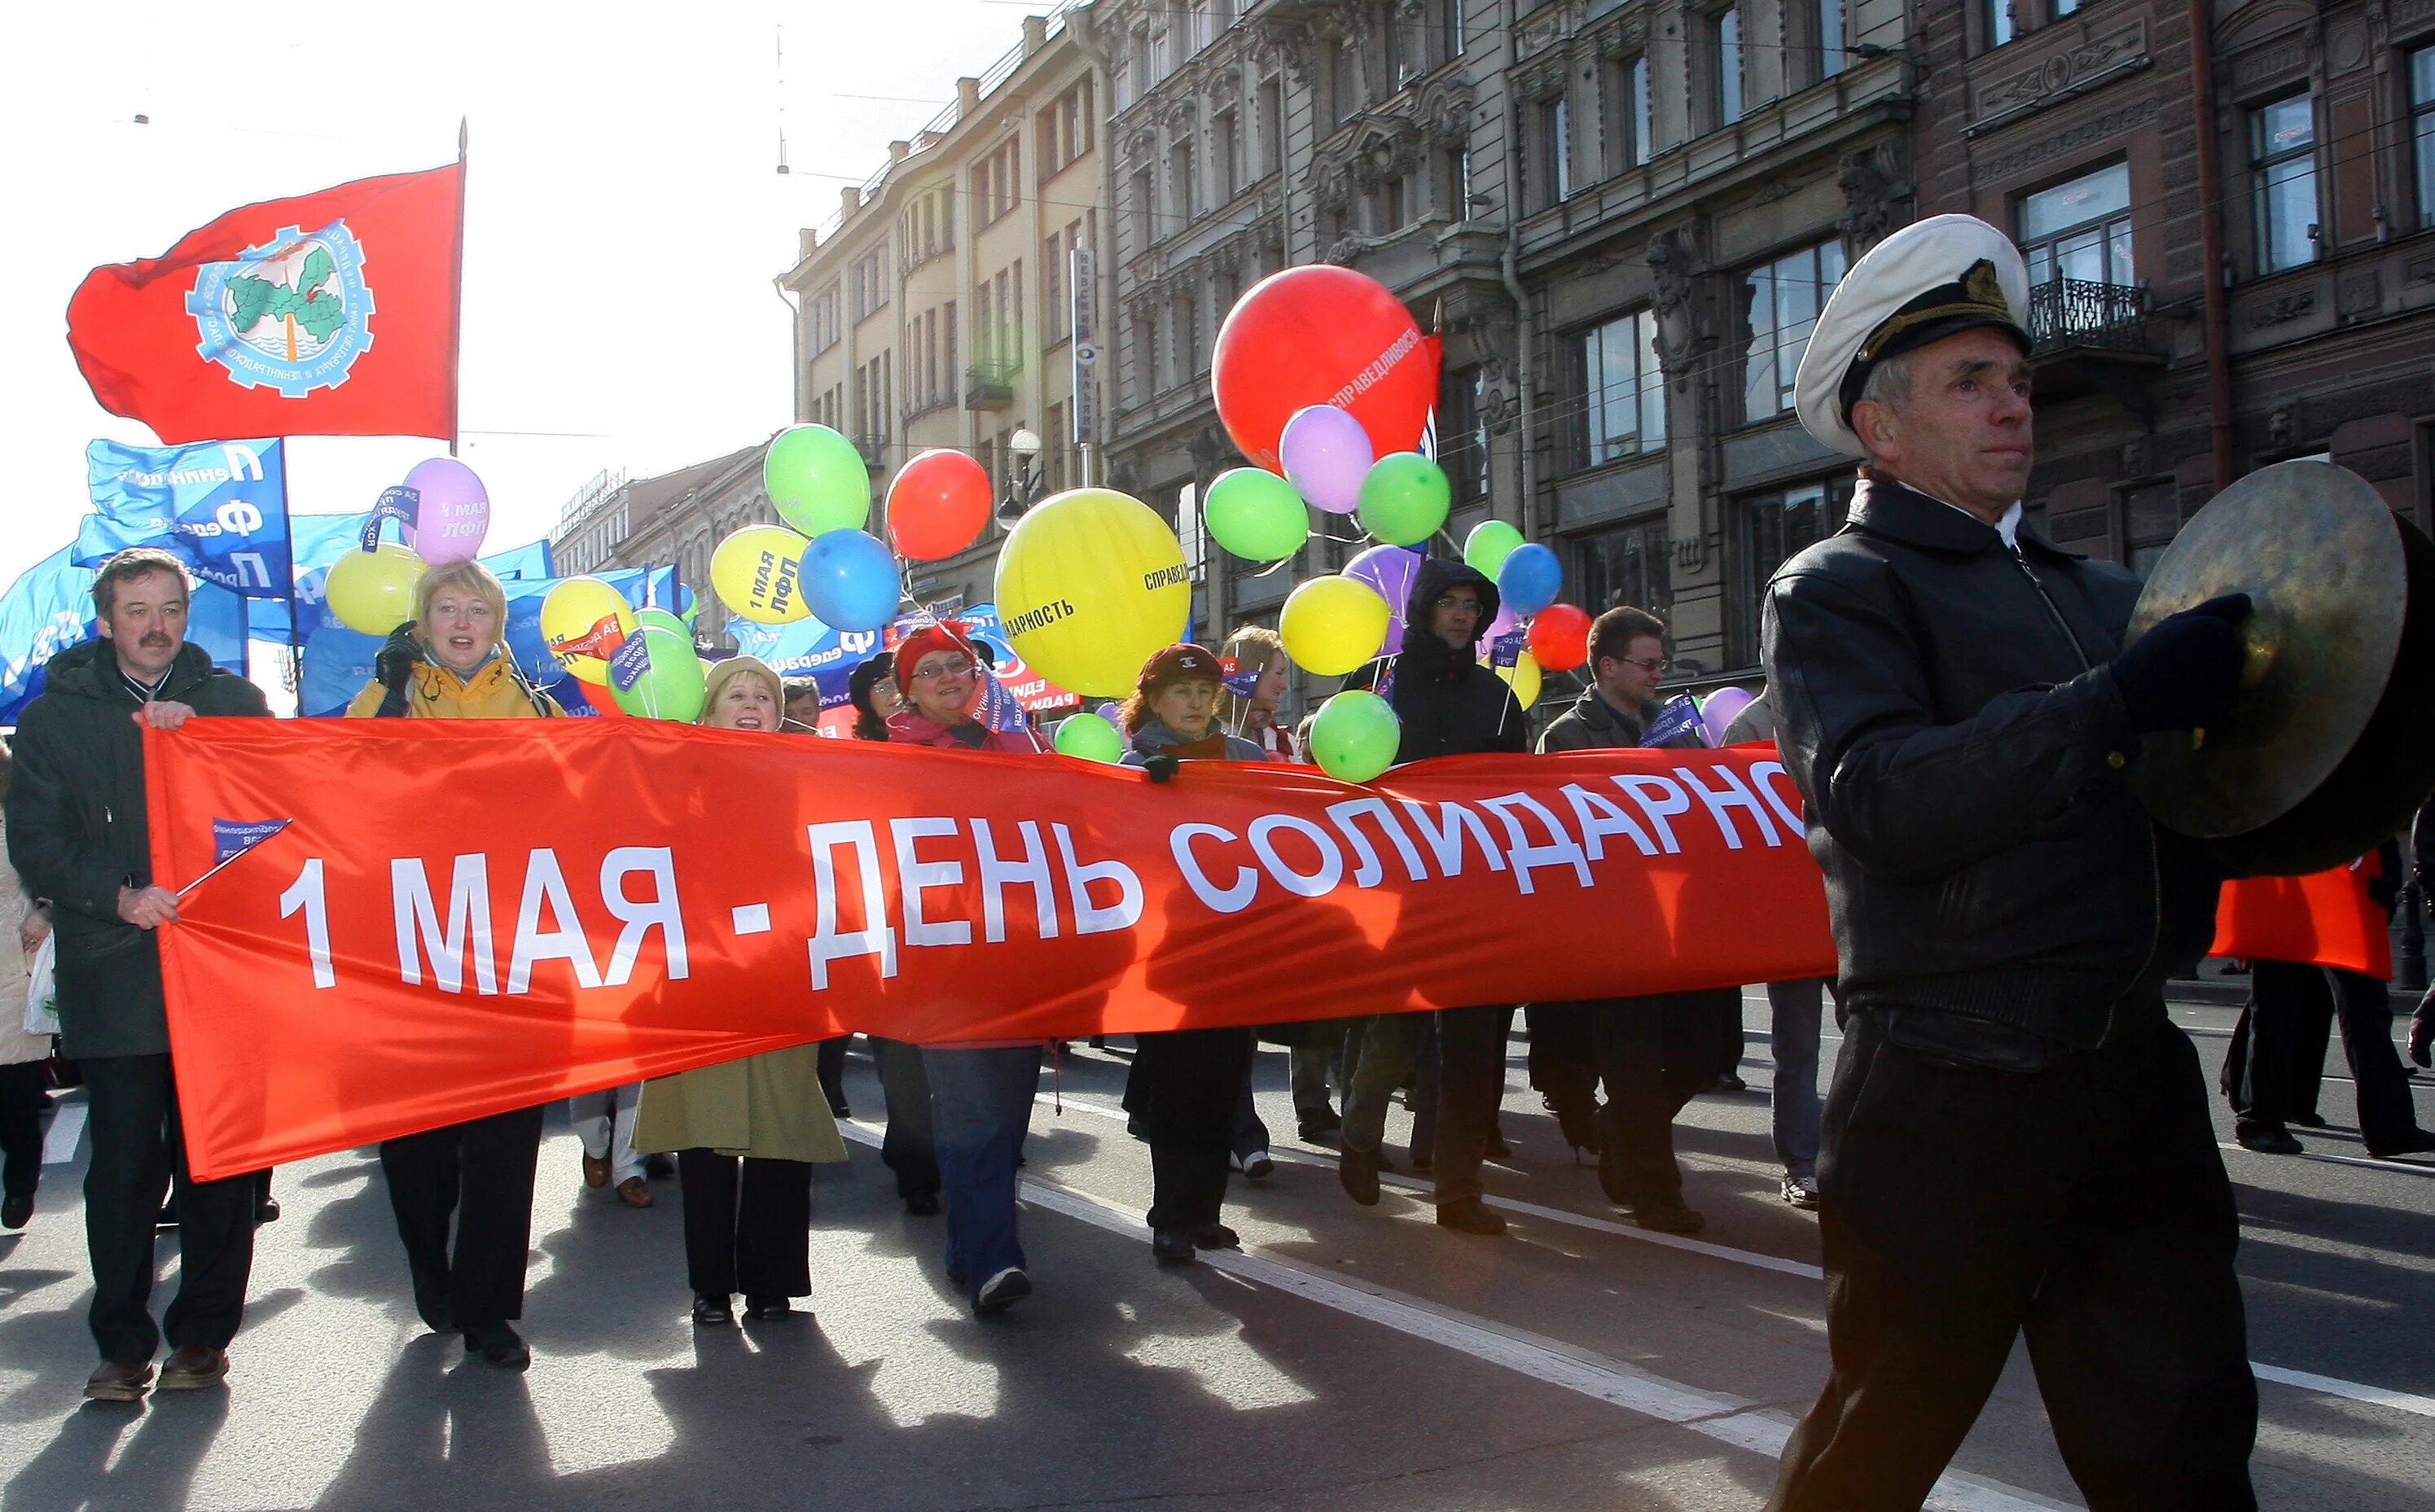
[(1202, 27), (1185, 182), (821, 317), (1830, 36), (870, 286), (1226, 153), (2064, 8), (1555, 153), (1622, 391), (1056, 312), (947, 346), (995, 187), (1728, 36), (1999, 22), (2150, 513), (984, 329), (1272, 123), (1065, 130), (1632, 125), (1394, 204), (2080, 230), (1769, 530), (1344, 78), (1781, 301), (1012, 311), (2282, 176), (2422, 122), (1457, 184), (1463, 437), (1625, 564), (1145, 198)]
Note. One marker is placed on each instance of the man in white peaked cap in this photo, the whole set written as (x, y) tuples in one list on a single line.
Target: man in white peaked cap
[(2017, 1138)]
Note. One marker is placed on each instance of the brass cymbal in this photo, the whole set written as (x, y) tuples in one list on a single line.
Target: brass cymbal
[(2323, 559)]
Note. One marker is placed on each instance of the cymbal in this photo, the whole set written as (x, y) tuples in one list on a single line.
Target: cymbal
[(2323, 561)]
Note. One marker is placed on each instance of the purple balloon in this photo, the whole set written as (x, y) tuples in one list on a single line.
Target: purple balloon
[(1326, 454), (1720, 709), (1504, 622), (1389, 570), (453, 512)]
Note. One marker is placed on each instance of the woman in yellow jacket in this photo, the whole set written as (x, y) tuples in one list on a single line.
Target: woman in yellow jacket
[(746, 1132), (449, 663)]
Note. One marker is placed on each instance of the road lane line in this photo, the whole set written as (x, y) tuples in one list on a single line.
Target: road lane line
[(67, 1127), (2396, 1167), (2333, 1386)]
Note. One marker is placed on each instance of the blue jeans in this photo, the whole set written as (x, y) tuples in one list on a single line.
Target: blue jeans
[(980, 1108), (1794, 1009)]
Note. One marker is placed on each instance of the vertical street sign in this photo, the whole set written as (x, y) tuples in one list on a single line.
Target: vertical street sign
[(1086, 325)]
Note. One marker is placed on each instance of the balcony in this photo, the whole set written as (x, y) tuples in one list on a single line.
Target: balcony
[(874, 450), (990, 384), (2088, 338)]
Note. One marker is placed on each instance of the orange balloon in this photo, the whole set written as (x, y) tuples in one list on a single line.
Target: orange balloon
[(936, 505), (603, 702)]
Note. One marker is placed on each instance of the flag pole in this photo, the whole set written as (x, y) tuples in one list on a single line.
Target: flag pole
[(457, 295)]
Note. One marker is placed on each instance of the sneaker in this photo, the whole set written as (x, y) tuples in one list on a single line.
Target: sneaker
[(1672, 1218), (192, 1366), (1172, 1247), (114, 1380), (1001, 1291), (1358, 1171), (1802, 1192), (1469, 1215), (1215, 1236), (498, 1344)]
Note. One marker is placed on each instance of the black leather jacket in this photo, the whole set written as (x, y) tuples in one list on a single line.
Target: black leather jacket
[(1949, 715)]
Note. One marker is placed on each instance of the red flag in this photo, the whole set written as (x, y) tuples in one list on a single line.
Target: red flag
[(2324, 918), (331, 314)]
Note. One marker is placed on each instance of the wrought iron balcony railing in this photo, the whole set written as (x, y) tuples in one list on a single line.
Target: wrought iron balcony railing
[(990, 385), (2076, 313)]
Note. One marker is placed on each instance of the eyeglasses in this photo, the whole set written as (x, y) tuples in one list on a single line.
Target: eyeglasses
[(1452, 601), (960, 669), (1654, 665)]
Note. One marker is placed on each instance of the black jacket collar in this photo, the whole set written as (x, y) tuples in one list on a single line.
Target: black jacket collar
[(1889, 509)]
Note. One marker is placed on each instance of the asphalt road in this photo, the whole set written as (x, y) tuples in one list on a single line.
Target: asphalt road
[(1348, 1358)]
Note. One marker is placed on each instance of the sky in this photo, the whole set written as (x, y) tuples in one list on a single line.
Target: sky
[(625, 219)]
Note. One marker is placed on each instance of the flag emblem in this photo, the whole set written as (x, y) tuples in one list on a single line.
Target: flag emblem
[(292, 314)]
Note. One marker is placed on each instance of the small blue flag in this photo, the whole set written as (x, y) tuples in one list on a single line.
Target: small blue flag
[(1505, 650), (232, 838), (1678, 718), (398, 503), (1238, 679), (627, 666), (1000, 710)]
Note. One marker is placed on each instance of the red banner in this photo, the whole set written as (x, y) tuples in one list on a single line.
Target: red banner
[(468, 916), (330, 313), (2327, 918)]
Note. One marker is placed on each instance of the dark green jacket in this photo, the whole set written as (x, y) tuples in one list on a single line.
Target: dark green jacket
[(76, 834)]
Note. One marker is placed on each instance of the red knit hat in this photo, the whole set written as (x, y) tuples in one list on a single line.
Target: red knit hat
[(1181, 662), (946, 635)]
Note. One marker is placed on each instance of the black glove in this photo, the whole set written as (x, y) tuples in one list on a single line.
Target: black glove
[(2183, 673), (2422, 1031), (1161, 767), (395, 660)]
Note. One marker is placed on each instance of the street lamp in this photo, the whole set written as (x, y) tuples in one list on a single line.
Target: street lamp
[(1023, 487)]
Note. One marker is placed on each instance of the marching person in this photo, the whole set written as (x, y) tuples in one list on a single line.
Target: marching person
[(1450, 705), (872, 686), (980, 1095), (448, 662), (803, 717), (76, 834), (2017, 1138), (746, 1132), (25, 1091), (1186, 1082), (907, 1148), (1655, 1052), (604, 1121)]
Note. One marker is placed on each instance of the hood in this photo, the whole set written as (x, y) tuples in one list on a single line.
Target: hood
[(1424, 654)]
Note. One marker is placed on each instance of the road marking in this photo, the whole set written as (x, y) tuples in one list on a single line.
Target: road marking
[(67, 1127), (1727, 1419), (2395, 1167), (2377, 1395)]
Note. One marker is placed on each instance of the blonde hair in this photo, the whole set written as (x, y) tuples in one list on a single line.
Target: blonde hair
[(723, 672), (465, 576), (1253, 646)]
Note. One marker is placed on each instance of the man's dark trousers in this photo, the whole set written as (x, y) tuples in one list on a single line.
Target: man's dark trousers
[(138, 1149), (1655, 1054), (479, 1172), (1189, 1081), (2084, 1205), (908, 1148), (2277, 1056)]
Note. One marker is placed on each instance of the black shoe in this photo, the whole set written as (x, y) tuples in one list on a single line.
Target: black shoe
[(921, 1204), (1172, 1247), (762, 1308), (1321, 1117), (14, 1211), (659, 1167), (1257, 1165), (499, 1345), (2417, 1142), (1215, 1236), (1135, 1127), (1731, 1083), (267, 1211), (1580, 1129), (1673, 1218), (1423, 1162), (1358, 1171), (2308, 1120), (711, 1311), (431, 1304), (1470, 1216), (1314, 1133), (1378, 1158), (838, 1109), (2267, 1138), (1498, 1149)]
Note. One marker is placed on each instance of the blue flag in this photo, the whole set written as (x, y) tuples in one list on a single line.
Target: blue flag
[(807, 648), (235, 837), (1676, 724), (219, 506)]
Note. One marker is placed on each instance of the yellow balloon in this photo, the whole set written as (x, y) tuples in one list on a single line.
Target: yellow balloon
[(584, 621), (373, 591), (754, 573), (1089, 586), (1333, 624), (1523, 677)]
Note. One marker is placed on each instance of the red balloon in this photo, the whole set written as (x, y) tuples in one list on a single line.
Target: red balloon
[(937, 504), (603, 702), (1560, 637), (1322, 334)]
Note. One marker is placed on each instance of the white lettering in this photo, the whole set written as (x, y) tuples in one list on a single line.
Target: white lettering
[(638, 917), (1366, 872), (305, 893), (1232, 897), (997, 872), (1736, 794), (1527, 857), (243, 462), (1762, 775), (1447, 844), (545, 884), (875, 937), (1668, 799), (913, 875), (1089, 917), (1310, 885), (1599, 816), (469, 923)]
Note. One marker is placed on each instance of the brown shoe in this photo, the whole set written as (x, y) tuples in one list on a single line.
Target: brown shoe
[(633, 1193), (113, 1381), (192, 1366), (596, 1173)]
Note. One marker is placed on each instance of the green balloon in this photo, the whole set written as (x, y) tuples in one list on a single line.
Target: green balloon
[(670, 686), (1256, 514), (817, 480), (1403, 498), (666, 620), (1090, 737), (1490, 543), (1356, 735)]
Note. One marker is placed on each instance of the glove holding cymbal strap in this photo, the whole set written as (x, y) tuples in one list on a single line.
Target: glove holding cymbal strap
[(2183, 673)]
